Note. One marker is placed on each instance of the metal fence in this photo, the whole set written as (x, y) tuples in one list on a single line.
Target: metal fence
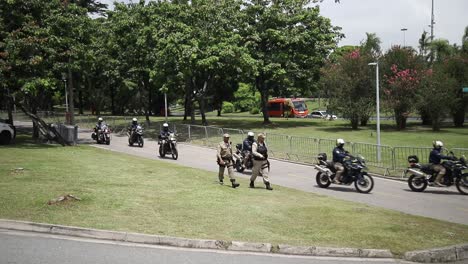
[(392, 160)]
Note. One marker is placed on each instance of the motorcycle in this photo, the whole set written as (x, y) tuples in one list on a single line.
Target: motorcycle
[(102, 135), (168, 146), (136, 136), (422, 175), (239, 158), (354, 172)]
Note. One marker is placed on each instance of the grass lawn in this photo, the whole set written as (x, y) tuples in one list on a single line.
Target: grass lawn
[(127, 193)]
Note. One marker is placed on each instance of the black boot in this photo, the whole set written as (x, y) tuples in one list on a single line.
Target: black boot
[(234, 184), (221, 181), (251, 184), (268, 187)]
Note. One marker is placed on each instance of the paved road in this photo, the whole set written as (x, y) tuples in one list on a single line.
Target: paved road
[(440, 203), (36, 248)]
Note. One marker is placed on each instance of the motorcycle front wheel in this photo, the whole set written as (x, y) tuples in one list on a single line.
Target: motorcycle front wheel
[(323, 181), (140, 142), (365, 184), (462, 184), (238, 166), (175, 153), (162, 153), (130, 142), (417, 183)]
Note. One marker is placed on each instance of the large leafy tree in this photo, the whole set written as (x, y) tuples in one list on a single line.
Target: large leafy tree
[(288, 41), (349, 86)]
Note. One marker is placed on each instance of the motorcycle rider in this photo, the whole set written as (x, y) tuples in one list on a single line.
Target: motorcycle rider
[(339, 153), (434, 159), (164, 133), (247, 147), (260, 162), (224, 159)]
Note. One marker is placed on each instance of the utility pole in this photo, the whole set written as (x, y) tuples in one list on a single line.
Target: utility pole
[(432, 21)]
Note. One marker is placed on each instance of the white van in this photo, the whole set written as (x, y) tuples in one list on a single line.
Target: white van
[(7, 133)]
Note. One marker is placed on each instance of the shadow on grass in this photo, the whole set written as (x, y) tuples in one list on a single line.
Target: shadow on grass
[(25, 141)]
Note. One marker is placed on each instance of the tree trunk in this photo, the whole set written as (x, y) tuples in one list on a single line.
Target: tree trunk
[(219, 112), (364, 120), (201, 102), (400, 119), (188, 98), (71, 102), (425, 118), (262, 88), (112, 92), (354, 121)]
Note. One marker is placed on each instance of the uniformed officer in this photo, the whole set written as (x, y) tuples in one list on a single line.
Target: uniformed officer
[(224, 158), (435, 158), (260, 162), (339, 153)]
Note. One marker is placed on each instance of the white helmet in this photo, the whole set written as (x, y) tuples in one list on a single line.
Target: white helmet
[(251, 134), (100, 119), (438, 144), (340, 142), (165, 125), (134, 119)]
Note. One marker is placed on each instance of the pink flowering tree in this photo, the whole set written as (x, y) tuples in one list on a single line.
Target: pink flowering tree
[(401, 80)]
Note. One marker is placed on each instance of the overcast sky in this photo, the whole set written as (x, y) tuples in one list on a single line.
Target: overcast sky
[(386, 18)]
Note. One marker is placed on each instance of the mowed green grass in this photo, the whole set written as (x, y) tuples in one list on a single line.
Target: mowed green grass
[(127, 193)]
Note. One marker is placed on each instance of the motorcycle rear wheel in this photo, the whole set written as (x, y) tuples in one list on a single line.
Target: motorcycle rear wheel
[(323, 181), (462, 184), (417, 183), (238, 166), (364, 185)]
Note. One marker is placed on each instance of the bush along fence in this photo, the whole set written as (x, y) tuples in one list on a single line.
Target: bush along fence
[(383, 159)]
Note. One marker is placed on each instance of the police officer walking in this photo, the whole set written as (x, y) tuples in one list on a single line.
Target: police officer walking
[(260, 162), (224, 158)]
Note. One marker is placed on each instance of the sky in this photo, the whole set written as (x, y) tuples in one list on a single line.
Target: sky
[(386, 18)]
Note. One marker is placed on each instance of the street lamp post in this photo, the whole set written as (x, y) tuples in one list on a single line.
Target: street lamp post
[(404, 36), (377, 101), (64, 79)]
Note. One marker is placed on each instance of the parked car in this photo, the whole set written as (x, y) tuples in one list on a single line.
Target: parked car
[(322, 114), (7, 133)]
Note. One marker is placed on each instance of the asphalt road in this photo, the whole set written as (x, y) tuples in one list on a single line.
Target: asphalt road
[(37, 248), (439, 203)]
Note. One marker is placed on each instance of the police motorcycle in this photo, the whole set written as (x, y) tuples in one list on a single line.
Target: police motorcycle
[(135, 135), (168, 145), (102, 134), (239, 158), (421, 175), (355, 171)]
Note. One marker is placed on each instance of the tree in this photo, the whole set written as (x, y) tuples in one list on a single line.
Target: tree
[(424, 43), (435, 94), (349, 87), (371, 45), (401, 69), (288, 42)]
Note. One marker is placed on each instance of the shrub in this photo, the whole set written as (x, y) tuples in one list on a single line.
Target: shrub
[(254, 111), (228, 108)]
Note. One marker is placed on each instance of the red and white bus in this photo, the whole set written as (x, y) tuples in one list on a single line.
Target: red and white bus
[(284, 107)]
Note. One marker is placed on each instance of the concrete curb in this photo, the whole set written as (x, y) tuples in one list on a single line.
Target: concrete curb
[(444, 254), (193, 243)]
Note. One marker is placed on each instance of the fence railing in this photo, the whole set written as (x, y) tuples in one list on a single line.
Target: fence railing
[(392, 160)]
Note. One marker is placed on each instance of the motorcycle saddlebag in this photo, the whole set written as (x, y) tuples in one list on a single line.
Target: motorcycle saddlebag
[(322, 156), (413, 159)]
